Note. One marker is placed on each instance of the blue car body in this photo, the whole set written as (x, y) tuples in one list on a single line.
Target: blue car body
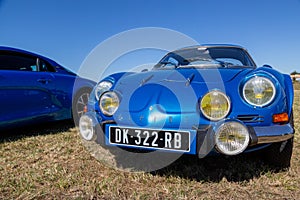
[(168, 100), (35, 89)]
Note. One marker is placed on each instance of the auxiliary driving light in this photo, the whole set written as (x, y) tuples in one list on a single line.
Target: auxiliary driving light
[(109, 103), (86, 128), (215, 105), (231, 138)]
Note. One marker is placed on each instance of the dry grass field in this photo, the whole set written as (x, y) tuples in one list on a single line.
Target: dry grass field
[(50, 162)]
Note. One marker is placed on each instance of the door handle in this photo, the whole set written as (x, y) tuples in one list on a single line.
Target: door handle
[(44, 81)]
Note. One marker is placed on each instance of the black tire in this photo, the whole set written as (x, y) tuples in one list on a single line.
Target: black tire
[(279, 154), (79, 102)]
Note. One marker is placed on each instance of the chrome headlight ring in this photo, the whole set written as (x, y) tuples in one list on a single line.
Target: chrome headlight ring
[(232, 137), (259, 91), (109, 103), (102, 87), (87, 128), (215, 105)]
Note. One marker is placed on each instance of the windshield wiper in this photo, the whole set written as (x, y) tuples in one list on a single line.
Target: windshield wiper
[(224, 64), (207, 65), (169, 63)]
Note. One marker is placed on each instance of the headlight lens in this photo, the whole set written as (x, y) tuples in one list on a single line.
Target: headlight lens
[(86, 128), (259, 91), (232, 138), (215, 105), (101, 88), (109, 103)]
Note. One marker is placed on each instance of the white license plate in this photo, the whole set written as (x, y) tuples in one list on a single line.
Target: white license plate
[(150, 138)]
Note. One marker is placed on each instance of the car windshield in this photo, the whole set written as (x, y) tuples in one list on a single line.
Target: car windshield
[(206, 57)]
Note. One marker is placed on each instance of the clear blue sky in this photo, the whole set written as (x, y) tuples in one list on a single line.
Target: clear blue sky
[(67, 30)]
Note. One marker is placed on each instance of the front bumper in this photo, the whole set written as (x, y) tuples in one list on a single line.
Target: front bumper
[(271, 134), (202, 138)]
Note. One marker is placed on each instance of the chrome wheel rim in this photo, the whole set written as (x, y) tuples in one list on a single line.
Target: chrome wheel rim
[(81, 103)]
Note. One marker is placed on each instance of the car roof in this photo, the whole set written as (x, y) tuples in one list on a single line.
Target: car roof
[(212, 46)]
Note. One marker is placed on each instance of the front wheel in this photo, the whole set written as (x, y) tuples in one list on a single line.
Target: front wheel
[(79, 102), (279, 154)]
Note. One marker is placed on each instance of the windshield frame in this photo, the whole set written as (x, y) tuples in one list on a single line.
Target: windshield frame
[(211, 54)]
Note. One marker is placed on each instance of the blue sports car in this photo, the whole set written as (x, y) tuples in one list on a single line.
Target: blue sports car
[(36, 89), (197, 100)]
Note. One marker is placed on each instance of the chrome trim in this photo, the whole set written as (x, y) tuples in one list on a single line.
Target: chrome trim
[(255, 76), (271, 139), (226, 98), (276, 133)]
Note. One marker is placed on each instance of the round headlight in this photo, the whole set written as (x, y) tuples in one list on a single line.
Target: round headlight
[(259, 91), (109, 103), (215, 105), (101, 88), (86, 128), (232, 138)]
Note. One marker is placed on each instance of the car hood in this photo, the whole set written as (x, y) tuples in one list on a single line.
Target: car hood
[(172, 91), (182, 75)]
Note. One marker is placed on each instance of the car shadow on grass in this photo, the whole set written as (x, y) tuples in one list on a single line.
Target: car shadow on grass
[(14, 134), (239, 168), (243, 167)]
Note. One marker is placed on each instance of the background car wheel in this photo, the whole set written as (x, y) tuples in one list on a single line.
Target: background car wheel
[(279, 154), (79, 102)]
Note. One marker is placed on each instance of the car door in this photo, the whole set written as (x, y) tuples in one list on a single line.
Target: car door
[(25, 92)]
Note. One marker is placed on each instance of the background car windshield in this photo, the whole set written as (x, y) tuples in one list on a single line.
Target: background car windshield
[(206, 58)]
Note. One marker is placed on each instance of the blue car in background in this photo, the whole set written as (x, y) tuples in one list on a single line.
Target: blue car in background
[(208, 99), (36, 89)]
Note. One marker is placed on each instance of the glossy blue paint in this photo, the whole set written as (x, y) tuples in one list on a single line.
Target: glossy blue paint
[(169, 98), (32, 96)]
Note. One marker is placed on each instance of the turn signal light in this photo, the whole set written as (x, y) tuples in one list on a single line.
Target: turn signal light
[(280, 118)]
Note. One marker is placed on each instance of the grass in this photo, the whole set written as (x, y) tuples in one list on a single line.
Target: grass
[(297, 85), (49, 162)]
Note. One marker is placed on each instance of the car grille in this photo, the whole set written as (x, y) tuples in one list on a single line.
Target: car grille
[(250, 118)]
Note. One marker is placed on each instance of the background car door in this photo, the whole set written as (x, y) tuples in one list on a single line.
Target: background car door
[(25, 92)]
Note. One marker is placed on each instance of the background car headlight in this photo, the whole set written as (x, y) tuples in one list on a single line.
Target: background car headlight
[(101, 88), (232, 138), (215, 105), (109, 103), (259, 91)]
